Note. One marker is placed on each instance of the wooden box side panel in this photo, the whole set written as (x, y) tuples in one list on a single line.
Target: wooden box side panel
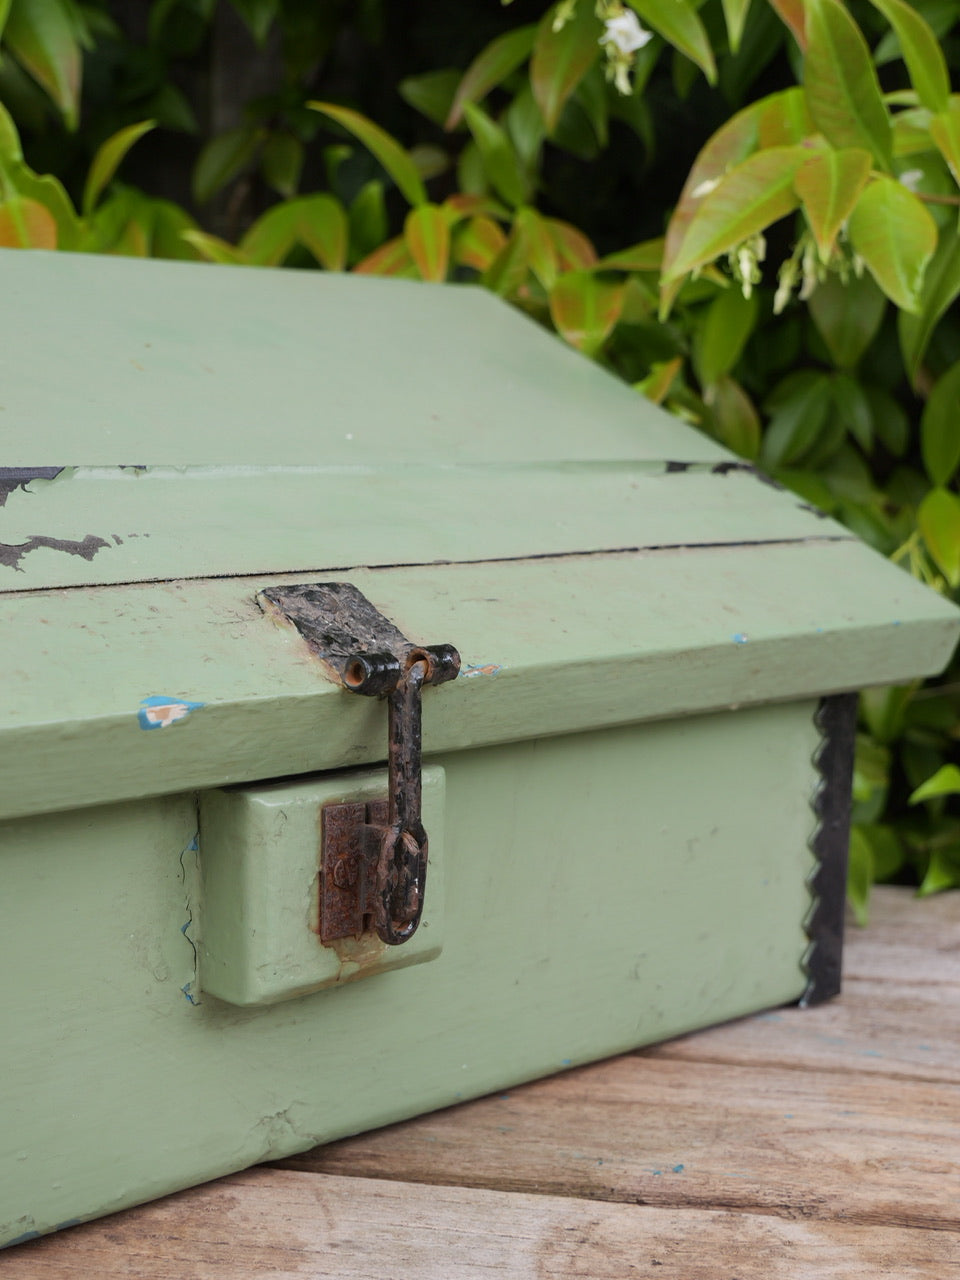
[(604, 890)]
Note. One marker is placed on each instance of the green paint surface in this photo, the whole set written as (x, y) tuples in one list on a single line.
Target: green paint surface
[(647, 880)]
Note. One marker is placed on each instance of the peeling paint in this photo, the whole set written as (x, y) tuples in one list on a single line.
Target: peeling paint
[(11, 553), (159, 711), (489, 669), (19, 477)]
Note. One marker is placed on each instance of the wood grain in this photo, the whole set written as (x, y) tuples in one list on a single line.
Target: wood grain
[(282, 1225), (797, 1143)]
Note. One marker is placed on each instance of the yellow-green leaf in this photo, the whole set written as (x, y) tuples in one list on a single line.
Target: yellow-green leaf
[(747, 200), (281, 163), (679, 23), (10, 150), (921, 52), (828, 183), (213, 248), (477, 244), (508, 272), (895, 236), (25, 224), (379, 143), (391, 259), (318, 222), (945, 782), (647, 256), (735, 15), (945, 132), (562, 58), (107, 160), (585, 309), (42, 37), (840, 82), (541, 246), (656, 385), (222, 159), (490, 68), (427, 233), (939, 521), (4, 11)]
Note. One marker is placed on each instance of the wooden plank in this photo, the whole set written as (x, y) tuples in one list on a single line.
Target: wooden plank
[(176, 363), (549, 647), (164, 523), (653, 1131), (899, 1014), (284, 1225)]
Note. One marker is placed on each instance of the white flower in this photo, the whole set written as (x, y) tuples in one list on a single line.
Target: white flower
[(911, 179), (625, 33)]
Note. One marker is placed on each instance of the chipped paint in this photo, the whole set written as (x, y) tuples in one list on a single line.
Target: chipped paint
[(11, 553), (489, 669), (159, 711), (739, 638)]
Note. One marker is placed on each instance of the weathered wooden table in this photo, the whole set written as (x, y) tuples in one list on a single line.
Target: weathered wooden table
[(797, 1144)]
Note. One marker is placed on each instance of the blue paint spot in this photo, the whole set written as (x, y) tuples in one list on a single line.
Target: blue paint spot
[(188, 993), (194, 845), (487, 669), (567, 1062), (159, 711), (870, 1053), (739, 638), (678, 1168), (819, 630), (27, 1235), (504, 1097), (896, 623), (788, 1115)]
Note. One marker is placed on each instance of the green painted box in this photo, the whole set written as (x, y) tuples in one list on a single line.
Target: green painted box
[(635, 791)]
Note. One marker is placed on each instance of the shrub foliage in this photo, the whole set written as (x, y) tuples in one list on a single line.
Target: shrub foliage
[(660, 181)]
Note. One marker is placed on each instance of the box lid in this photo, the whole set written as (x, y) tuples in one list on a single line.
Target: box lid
[(595, 560)]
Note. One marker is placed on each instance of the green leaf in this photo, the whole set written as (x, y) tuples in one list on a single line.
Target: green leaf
[(941, 286), (735, 15), (945, 132), (847, 316), (25, 224), (223, 159), (490, 68), (940, 428), (431, 94), (646, 256), (368, 219), (562, 58), (427, 233), (829, 183), (719, 342), (679, 23), (379, 143), (500, 162), (943, 872), (317, 222), (656, 385), (107, 160), (939, 521), (859, 875), (10, 150), (213, 248), (574, 251), (42, 36), (258, 16), (541, 246), (921, 52), (840, 82), (792, 15), (747, 200), (585, 309), (853, 409), (945, 782), (895, 236), (509, 270), (801, 408), (732, 417), (281, 163), (4, 12)]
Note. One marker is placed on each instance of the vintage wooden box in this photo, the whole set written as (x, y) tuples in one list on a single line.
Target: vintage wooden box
[(635, 792)]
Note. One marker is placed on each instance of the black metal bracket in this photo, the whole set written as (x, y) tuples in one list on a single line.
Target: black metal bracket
[(836, 718), (372, 871)]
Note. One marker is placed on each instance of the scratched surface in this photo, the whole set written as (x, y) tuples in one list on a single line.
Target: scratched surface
[(802, 1145)]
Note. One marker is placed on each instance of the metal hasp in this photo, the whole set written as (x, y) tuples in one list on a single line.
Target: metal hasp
[(374, 857)]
